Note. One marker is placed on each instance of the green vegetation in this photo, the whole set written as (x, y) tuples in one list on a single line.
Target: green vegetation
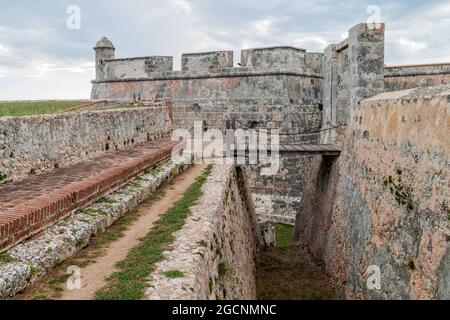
[(399, 191), (4, 258), (210, 285), (129, 282), (28, 108), (2, 177), (411, 265), (284, 235), (173, 274), (224, 270)]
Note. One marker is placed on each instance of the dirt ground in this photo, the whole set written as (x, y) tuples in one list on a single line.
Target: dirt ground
[(290, 273)]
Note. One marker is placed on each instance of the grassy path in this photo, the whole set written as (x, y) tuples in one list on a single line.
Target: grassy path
[(117, 263)]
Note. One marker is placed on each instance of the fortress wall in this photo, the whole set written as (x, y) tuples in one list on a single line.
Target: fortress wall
[(384, 202), (206, 61), (216, 248), (353, 70), (412, 76), (275, 88), (40, 143), (314, 61), (119, 69), (274, 58), (287, 101)]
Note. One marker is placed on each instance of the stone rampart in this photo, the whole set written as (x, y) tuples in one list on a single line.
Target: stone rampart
[(35, 144)]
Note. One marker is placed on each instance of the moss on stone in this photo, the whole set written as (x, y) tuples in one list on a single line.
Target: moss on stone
[(400, 192), (4, 258), (174, 274), (223, 270)]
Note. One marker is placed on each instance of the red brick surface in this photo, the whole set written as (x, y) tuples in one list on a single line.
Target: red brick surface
[(31, 205)]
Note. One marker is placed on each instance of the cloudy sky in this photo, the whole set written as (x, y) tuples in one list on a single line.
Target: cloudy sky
[(41, 58)]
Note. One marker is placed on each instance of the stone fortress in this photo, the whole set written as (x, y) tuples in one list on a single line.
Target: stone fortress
[(382, 200)]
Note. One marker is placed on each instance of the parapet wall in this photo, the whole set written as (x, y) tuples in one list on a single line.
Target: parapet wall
[(216, 248), (384, 203), (274, 58), (206, 61), (41, 143), (122, 69), (413, 76)]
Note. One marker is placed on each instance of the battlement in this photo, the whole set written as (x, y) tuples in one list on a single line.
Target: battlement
[(126, 68), (280, 58), (206, 61)]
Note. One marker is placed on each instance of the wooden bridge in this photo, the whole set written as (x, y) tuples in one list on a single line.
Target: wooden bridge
[(295, 150)]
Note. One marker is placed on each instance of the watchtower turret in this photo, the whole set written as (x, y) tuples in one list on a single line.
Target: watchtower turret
[(104, 50)]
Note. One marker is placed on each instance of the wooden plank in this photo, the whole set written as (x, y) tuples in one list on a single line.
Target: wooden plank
[(308, 147)]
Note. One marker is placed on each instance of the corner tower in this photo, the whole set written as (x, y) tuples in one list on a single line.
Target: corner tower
[(104, 50)]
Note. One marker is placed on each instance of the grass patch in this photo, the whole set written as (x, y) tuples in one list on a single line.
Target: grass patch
[(284, 235), (174, 274), (4, 258), (129, 282), (28, 108)]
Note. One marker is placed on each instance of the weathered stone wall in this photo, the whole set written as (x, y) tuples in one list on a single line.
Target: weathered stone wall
[(216, 248), (118, 69), (277, 197), (274, 97), (413, 76), (30, 145), (385, 201), (206, 61), (274, 58)]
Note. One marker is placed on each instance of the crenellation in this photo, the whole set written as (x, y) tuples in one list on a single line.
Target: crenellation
[(206, 61), (274, 58)]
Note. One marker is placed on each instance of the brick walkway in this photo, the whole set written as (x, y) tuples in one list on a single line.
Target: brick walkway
[(28, 206)]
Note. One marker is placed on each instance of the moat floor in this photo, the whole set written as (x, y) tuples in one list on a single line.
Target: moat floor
[(289, 273)]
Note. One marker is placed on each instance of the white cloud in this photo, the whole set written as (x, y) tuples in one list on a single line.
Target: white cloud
[(4, 50), (183, 5), (263, 26), (311, 41), (37, 68), (412, 45)]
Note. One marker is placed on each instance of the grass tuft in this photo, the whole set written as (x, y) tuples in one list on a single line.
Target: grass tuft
[(174, 274), (284, 235)]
